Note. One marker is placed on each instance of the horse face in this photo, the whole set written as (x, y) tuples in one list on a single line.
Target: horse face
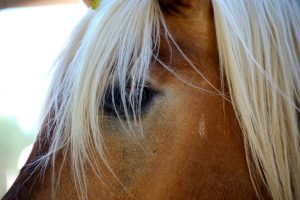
[(192, 145)]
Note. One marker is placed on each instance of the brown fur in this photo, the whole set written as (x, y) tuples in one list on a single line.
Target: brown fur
[(174, 160)]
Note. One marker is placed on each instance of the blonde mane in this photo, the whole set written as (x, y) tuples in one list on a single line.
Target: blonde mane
[(259, 48)]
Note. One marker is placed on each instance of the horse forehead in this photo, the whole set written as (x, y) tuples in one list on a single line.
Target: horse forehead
[(193, 28)]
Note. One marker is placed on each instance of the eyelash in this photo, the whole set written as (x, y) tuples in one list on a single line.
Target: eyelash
[(114, 105)]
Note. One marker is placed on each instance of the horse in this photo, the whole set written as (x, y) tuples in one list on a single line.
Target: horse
[(172, 99)]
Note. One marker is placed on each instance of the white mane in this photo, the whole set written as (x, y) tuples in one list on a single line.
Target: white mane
[(259, 48)]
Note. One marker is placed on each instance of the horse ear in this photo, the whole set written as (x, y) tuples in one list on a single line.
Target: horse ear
[(92, 3), (88, 3)]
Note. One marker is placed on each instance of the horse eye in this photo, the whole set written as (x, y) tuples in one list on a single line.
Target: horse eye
[(113, 102), (147, 96)]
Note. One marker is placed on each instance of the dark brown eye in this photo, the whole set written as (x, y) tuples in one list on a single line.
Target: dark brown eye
[(113, 103)]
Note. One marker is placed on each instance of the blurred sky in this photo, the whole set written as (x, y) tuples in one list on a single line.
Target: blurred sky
[(30, 40)]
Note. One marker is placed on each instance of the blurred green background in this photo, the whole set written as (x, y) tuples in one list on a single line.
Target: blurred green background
[(12, 142)]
